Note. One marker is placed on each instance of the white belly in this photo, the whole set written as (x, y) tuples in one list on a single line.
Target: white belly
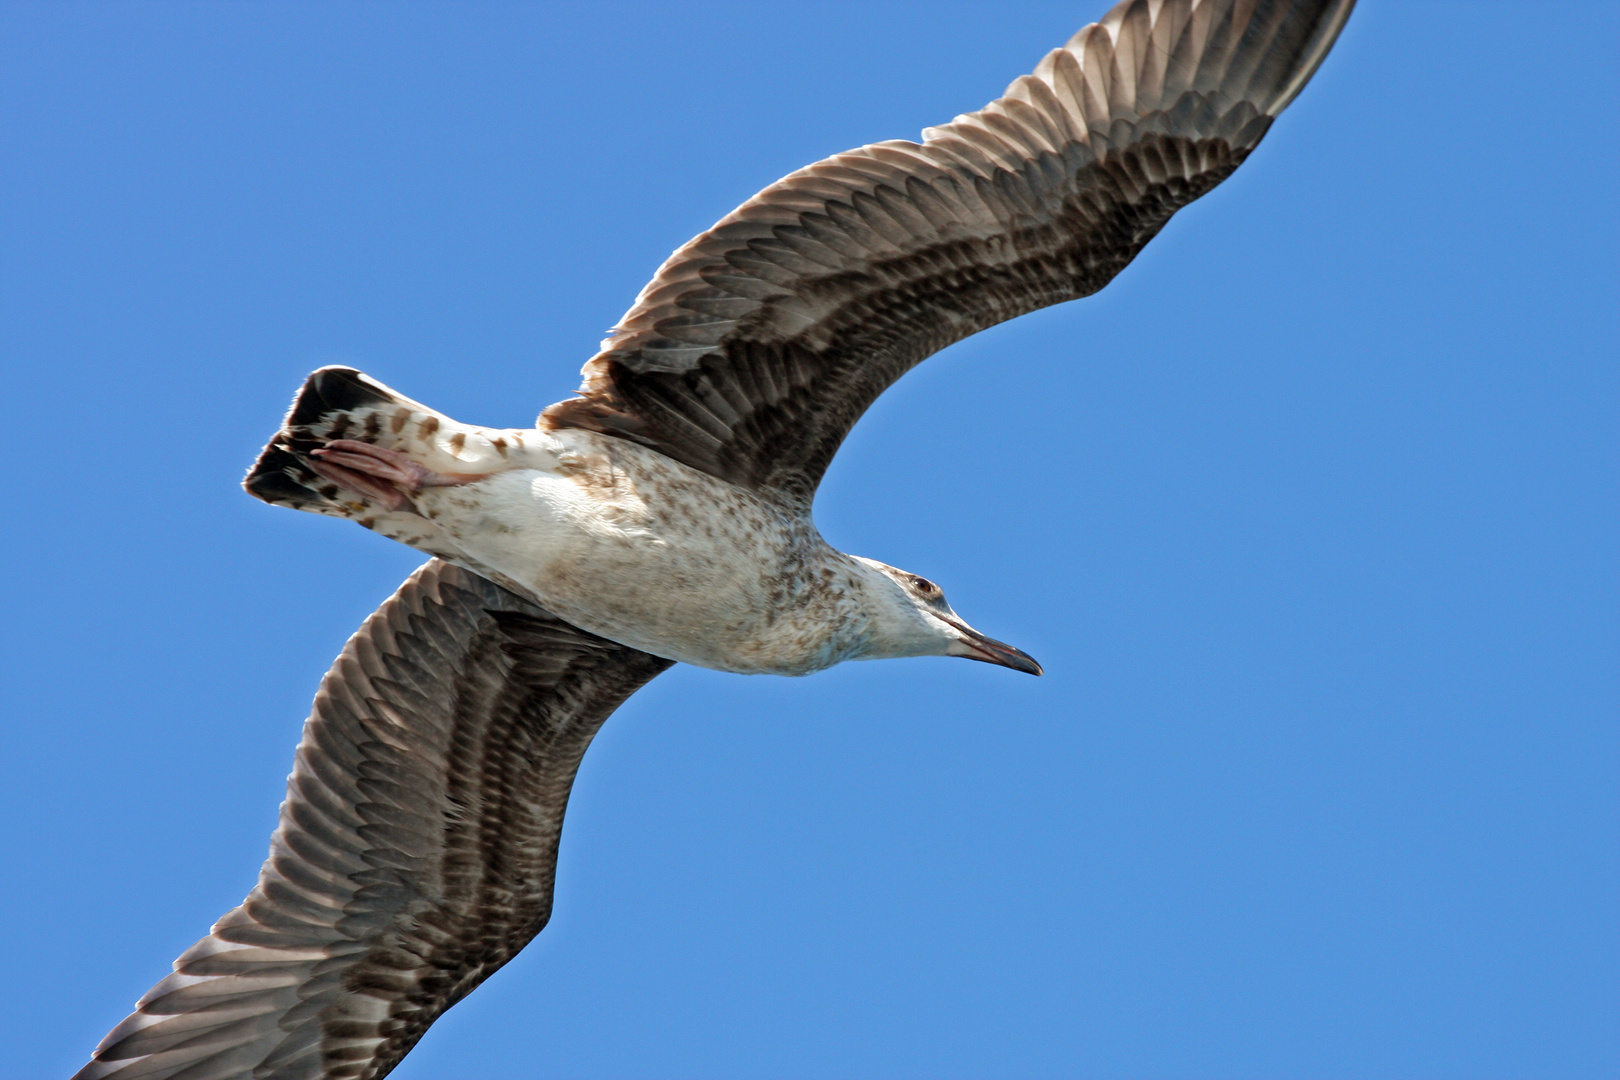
[(640, 549)]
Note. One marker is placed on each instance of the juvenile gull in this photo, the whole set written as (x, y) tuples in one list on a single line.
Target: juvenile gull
[(662, 515)]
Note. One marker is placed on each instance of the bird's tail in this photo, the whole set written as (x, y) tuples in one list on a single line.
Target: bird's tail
[(340, 405), (336, 403)]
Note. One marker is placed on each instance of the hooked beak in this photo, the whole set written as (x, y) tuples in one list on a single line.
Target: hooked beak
[(975, 646)]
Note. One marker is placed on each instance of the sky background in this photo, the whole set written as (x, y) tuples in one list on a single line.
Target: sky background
[(1311, 517)]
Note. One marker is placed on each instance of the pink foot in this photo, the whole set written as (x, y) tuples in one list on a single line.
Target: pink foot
[(387, 477)]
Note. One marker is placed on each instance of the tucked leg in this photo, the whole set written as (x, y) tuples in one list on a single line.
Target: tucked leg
[(386, 477)]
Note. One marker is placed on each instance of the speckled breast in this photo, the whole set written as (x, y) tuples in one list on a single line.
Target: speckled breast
[(643, 550)]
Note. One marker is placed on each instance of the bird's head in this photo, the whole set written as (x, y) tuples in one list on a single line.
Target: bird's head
[(908, 616)]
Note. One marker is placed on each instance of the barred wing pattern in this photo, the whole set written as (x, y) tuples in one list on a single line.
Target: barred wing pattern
[(759, 343), (417, 847)]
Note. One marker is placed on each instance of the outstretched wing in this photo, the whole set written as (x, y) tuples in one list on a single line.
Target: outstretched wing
[(760, 343), (417, 846)]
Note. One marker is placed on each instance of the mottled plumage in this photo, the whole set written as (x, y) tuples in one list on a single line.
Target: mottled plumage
[(416, 847), (758, 344), (664, 515)]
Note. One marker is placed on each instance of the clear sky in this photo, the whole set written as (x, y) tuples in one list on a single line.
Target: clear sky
[(1311, 517)]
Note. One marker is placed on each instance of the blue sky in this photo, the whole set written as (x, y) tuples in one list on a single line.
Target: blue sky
[(1312, 524)]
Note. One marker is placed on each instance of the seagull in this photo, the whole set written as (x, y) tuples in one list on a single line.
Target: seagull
[(663, 515)]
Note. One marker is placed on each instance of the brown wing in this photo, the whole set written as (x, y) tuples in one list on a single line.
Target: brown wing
[(760, 343), (417, 846)]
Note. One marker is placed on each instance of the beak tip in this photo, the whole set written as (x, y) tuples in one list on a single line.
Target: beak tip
[(1008, 657), (973, 645), (1030, 665)]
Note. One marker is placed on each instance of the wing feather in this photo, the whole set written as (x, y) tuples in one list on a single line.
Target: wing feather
[(759, 343), (417, 846)]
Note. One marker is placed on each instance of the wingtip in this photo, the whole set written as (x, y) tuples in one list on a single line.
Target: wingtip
[(1314, 53)]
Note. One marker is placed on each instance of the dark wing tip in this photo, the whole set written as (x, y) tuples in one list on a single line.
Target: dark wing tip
[(760, 342), (416, 849)]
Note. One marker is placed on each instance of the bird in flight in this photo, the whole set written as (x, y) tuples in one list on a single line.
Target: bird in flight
[(664, 514)]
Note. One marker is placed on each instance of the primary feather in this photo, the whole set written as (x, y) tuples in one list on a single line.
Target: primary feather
[(759, 343)]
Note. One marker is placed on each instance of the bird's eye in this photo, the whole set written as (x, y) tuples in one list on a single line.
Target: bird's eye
[(924, 585)]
